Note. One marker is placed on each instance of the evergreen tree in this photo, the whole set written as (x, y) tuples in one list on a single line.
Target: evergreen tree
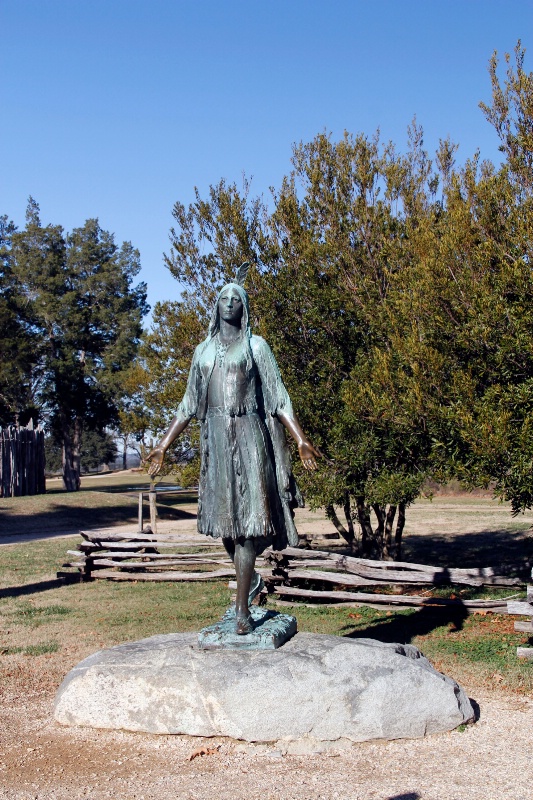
[(396, 292), (19, 347), (86, 316), (98, 447)]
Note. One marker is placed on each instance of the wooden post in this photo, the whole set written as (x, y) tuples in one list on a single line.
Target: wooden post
[(153, 508), (526, 608), (86, 575), (140, 527)]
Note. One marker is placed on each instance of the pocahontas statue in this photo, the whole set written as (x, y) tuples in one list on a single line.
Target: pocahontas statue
[(247, 491)]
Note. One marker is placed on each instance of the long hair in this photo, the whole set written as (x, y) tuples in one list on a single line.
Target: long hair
[(244, 350)]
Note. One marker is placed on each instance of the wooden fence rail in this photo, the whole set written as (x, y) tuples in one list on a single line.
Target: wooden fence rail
[(310, 576), (294, 564), (22, 461), (524, 608)]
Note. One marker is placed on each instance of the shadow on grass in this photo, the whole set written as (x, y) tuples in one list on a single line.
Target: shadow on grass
[(32, 588), (403, 628), (508, 552), (63, 517), (129, 488)]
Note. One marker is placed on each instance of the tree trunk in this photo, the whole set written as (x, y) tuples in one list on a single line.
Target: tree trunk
[(125, 453), (400, 524), (71, 453), (332, 515), (379, 531), (349, 521), (387, 542), (363, 517)]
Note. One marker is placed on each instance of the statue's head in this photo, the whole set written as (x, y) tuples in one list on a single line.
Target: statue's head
[(233, 306)]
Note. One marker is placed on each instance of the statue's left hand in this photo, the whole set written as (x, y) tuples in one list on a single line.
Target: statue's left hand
[(156, 457), (308, 454)]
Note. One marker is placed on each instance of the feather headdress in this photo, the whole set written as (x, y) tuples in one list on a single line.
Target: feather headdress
[(242, 273)]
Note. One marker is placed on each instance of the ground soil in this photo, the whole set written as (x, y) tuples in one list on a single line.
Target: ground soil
[(40, 759)]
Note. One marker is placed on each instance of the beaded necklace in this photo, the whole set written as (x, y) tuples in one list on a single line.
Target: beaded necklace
[(222, 349)]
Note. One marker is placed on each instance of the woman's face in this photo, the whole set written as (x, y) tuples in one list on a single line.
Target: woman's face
[(230, 306)]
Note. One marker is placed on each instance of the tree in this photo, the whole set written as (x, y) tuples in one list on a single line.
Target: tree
[(306, 253), (396, 292), (460, 354), (87, 318), (19, 350), (98, 447), (342, 222), (486, 436)]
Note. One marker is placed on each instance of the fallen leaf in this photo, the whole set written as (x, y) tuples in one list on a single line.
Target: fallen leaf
[(497, 677), (203, 751), (355, 616)]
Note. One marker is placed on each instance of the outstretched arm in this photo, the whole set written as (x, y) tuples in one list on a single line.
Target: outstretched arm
[(157, 455), (308, 452), (277, 401)]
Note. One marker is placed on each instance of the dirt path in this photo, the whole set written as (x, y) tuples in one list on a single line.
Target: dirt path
[(40, 759)]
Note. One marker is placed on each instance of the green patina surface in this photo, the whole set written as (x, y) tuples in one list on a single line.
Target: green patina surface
[(271, 630)]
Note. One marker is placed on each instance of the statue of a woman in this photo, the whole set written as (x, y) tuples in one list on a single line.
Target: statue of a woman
[(247, 491)]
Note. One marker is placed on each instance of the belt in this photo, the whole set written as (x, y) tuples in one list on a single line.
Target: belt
[(220, 411)]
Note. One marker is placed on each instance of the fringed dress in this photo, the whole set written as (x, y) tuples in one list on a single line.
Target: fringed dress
[(246, 487)]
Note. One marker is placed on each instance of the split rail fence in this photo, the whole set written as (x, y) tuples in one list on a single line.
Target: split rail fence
[(525, 608), (295, 574), (22, 461)]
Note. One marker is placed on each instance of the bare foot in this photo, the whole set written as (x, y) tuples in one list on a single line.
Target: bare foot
[(243, 624)]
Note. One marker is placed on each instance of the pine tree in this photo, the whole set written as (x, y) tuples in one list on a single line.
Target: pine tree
[(86, 316)]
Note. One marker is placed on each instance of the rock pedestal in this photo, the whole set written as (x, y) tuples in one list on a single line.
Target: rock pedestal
[(323, 687)]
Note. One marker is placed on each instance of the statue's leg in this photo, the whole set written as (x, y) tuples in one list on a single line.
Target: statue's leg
[(229, 546), (257, 583), (244, 569)]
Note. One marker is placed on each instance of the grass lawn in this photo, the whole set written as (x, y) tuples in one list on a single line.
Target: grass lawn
[(46, 628), (103, 501), (458, 531)]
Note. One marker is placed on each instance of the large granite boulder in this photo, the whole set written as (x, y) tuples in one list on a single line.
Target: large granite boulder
[(323, 687)]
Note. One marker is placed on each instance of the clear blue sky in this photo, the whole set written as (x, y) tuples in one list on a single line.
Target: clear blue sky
[(117, 108)]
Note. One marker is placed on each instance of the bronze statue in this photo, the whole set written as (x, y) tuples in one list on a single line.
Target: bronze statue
[(247, 491)]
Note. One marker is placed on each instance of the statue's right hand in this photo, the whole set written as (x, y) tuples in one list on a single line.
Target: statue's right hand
[(156, 456)]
